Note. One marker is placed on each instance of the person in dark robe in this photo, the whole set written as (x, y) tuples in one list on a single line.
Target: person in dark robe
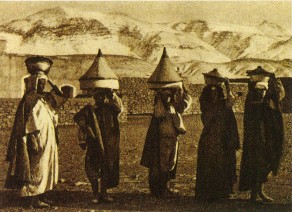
[(160, 153), (263, 136), (100, 135), (216, 162), (32, 148)]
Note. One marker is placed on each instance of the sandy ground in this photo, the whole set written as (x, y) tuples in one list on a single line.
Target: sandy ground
[(132, 193)]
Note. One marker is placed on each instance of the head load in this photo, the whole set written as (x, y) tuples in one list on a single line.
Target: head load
[(214, 77), (99, 76), (38, 64), (39, 68), (165, 75), (259, 75)]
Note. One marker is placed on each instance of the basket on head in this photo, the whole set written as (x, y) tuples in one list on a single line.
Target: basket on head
[(38, 64), (165, 75), (259, 75), (99, 75), (214, 77)]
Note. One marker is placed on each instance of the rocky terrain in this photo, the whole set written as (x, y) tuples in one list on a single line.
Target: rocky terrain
[(195, 46)]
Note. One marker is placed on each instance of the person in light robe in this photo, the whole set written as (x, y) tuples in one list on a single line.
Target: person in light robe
[(32, 148)]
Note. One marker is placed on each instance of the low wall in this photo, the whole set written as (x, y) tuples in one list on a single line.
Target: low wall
[(8, 109), (140, 98), (137, 100), (72, 106)]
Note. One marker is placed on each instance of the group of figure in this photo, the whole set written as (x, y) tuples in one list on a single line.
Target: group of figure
[(33, 156), (262, 140)]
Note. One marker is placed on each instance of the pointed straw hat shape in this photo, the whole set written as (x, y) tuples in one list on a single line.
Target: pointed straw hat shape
[(99, 75), (165, 71)]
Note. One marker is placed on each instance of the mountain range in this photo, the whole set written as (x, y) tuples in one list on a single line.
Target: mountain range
[(195, 46)]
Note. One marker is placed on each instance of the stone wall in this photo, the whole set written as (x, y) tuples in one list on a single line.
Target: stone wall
[(72, 106), (8, 109), (140, 98), (65, 71), (137, 100)]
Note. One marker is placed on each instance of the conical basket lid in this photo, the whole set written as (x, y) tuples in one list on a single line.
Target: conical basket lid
[(165, 71), (99, 70)]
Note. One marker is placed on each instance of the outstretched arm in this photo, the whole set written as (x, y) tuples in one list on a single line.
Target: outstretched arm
[(56, 97), (55, 88)]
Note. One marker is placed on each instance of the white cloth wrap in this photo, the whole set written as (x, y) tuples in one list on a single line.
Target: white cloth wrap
[(44, 163), (178, 85), (106, 83)]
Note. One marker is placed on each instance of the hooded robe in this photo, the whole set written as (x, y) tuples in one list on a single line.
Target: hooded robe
[(216, 165), (161, 145), (99, 125), (263, 136)]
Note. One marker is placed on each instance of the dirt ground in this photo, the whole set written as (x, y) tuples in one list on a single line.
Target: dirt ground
[(73, 193)]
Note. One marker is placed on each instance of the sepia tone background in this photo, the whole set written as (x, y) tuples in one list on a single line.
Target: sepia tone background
[(232, 36)]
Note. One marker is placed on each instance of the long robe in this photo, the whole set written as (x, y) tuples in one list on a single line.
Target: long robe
[(161, 148), (216, 163), (263, 136), (100, 127), (33, 172)]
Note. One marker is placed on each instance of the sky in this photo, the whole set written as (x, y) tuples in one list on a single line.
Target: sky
[(235, 12)]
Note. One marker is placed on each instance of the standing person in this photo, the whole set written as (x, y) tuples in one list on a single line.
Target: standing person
[(216, 163), (100, 135), (263, 132), (160, 153), (99, 129), (32, 149)]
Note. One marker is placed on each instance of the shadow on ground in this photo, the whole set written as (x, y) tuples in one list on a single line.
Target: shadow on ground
[(81, 200), (133, 193)]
